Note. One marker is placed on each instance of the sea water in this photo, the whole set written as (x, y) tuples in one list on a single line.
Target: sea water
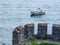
[(14, 13)]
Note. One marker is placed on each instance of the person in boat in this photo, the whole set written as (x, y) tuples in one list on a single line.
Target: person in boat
[(38, 11)]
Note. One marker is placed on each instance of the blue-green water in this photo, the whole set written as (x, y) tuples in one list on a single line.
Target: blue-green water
[(17, 12)]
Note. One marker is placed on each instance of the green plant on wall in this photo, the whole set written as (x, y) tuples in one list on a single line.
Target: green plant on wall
[(47, 43), (34, 42), (32, 38)]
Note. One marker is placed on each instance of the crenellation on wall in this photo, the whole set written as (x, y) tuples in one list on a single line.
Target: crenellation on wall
[(18, 35), (15, 37), (42, 30), (56, 32), (29, 30)]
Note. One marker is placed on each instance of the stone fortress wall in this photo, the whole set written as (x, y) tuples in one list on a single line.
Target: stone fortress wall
[(21, 34)]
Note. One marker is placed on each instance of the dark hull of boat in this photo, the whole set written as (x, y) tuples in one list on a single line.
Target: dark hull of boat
[(37, 14)]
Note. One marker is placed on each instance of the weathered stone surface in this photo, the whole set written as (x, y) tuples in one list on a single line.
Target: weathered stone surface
[(29, 30), (21, 44), (49, 36), (18, 35), (15, 37), (42, 24), (21, 34), (42, 30), (56, 32)]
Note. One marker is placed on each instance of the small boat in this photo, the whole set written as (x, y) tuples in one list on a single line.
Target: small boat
[(38, 12)]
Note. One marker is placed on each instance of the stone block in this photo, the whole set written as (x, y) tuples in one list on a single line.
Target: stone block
[(29, 30), (42, 30)]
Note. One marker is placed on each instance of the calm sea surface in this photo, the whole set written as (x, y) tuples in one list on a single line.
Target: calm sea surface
[(17, 12)]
